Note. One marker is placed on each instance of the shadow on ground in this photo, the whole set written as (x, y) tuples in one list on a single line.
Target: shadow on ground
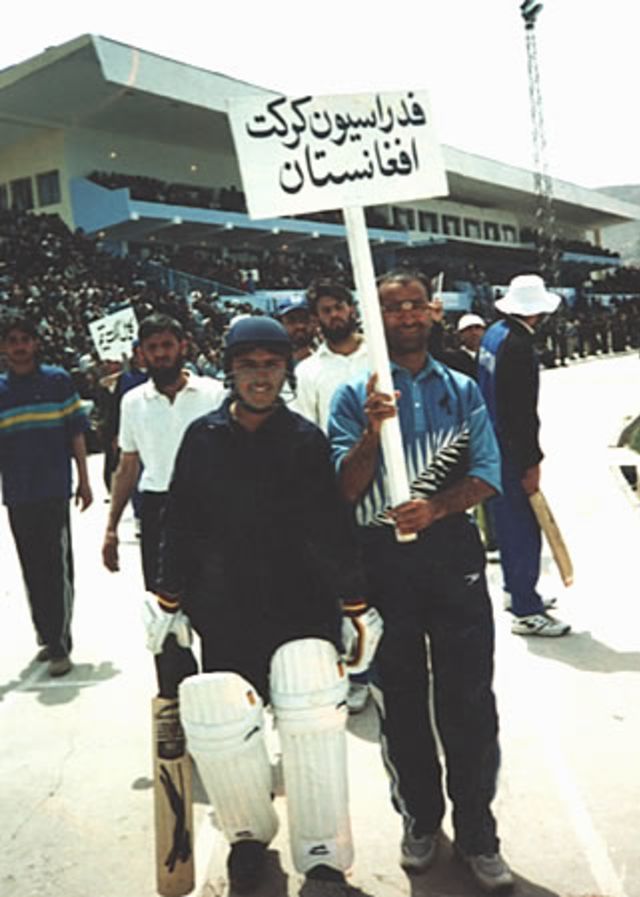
[(34, 678), (581, 651), (448, 877)]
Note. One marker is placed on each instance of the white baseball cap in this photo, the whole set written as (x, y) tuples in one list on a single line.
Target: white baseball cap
[(527, 295), (470, 321)]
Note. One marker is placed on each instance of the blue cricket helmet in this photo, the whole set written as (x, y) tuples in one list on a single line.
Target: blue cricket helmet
[(255, 332)]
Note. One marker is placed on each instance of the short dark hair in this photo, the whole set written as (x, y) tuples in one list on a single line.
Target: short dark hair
[(14, 320), (159, 323), (326, 287), (404, 276)]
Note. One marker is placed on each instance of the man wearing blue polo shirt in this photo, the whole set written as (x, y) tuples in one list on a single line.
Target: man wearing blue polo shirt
[(434, 586), (42, 426)]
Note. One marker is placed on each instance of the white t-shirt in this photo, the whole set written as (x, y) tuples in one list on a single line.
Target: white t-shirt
[(320, 375), (153, 426)]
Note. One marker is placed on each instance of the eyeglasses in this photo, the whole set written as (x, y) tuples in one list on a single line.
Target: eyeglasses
[(396, 308)]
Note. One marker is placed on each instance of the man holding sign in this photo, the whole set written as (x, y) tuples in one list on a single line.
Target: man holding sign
[(433, 586)]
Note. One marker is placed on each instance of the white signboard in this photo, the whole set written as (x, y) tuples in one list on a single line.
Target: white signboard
[(309, 154), (114, 334)]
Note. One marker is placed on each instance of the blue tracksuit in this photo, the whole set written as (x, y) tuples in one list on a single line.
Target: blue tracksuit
[(508, 378)]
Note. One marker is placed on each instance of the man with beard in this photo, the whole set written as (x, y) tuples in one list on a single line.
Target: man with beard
[(153, 420), (341, 356), (293, 314), (434, 586)]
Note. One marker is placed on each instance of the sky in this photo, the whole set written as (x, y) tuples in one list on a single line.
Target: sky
[(469, 54)]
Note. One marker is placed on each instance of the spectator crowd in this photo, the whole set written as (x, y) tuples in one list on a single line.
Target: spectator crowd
[(66, 280)]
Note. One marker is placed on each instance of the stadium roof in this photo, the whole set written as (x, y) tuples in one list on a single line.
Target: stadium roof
[(99, 83)]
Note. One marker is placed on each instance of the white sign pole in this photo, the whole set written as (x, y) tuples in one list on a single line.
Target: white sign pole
[(365, 281)]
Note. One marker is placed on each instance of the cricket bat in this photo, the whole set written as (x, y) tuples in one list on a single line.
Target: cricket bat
[(173, 808), (553, 536)]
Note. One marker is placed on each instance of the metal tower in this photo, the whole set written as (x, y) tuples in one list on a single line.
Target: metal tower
[(545, 230)]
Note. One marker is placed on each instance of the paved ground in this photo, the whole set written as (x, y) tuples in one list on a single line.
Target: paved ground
[(75, 765)]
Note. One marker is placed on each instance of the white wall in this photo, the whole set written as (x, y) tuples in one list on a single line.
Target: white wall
[(36, 156)]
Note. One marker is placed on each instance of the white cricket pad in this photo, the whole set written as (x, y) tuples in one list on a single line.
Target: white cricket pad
[(308, 695), (223, 719)]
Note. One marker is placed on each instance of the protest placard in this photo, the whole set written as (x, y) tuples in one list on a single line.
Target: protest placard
[(113, 335)]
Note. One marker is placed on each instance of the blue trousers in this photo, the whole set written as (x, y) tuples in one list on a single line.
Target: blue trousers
[(520, 543)]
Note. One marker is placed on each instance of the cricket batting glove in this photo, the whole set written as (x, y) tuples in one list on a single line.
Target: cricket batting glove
[(159, 623), (362, 629)]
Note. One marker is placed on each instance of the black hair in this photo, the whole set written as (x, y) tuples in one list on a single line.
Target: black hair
[(404, 276), (324, 286), (15, 320), (159, 323)]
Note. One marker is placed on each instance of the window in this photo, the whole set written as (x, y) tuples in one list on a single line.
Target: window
[(451, 225), (472, 228), (21, 194), (48, 186), (509, 233), (404, 219), (4, 197), (428, 222), (491, 231)]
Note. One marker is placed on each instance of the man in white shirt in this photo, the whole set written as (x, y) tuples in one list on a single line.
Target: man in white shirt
[(154, 418), (342, 356)]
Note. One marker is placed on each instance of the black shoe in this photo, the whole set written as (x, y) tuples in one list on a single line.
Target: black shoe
[(245, 865), (326, 873)]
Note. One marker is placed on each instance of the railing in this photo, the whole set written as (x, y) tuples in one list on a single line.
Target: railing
[(182, 282)]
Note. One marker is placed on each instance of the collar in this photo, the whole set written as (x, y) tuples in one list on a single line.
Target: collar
[(222, 416), (431, 368), (324, 350), (151, 391), (522, 324)]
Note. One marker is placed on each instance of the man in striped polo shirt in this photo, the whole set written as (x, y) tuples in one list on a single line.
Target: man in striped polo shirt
[(42, 426)]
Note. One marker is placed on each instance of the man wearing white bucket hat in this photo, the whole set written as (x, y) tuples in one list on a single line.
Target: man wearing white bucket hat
[(508, 375)]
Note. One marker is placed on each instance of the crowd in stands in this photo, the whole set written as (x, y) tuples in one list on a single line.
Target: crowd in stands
[(250, 269), (65, 280), (622, 280), (583, 247), (146, 189), (227, 199)]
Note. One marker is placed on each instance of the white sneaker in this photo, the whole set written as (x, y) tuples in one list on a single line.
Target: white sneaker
[(357, 697), (547, 603), (418, 853), (489, 870), (539, 624)]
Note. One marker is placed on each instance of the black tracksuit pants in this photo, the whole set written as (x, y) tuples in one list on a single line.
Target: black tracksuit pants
[(42, 535), (435, 587)]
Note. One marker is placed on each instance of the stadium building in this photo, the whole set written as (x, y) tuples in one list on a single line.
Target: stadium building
[(136, 150)]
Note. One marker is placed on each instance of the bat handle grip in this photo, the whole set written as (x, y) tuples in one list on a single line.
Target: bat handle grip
[(405, 537)]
